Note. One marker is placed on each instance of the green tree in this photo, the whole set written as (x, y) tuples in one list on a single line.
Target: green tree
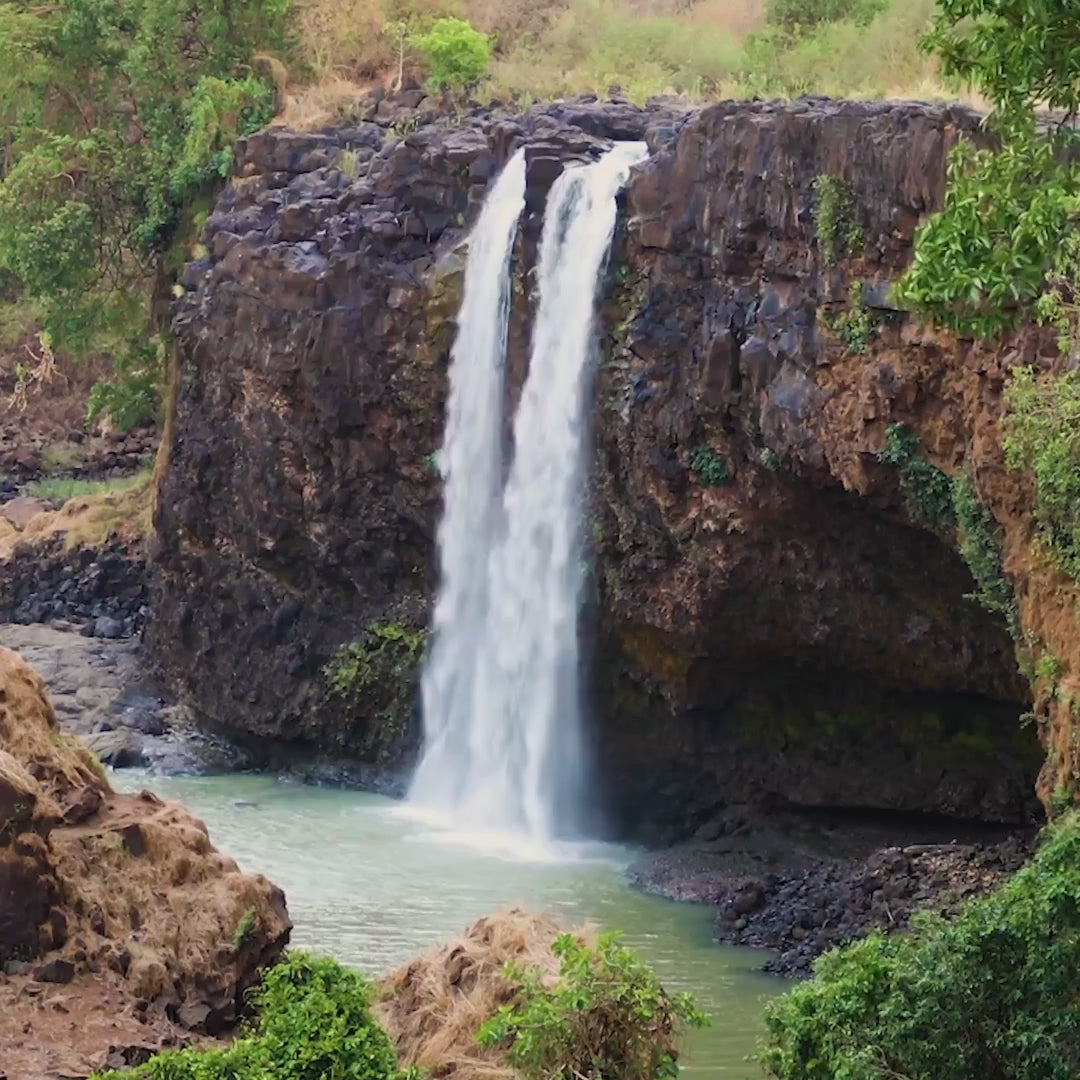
[(1005, 245), (118, 115), (457, 55), (990, 994)]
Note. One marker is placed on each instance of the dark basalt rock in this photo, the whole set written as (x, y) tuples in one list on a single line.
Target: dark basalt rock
[(786, 634), (102, 589)]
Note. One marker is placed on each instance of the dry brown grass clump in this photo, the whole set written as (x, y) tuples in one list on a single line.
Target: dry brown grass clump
[(32, 744), (89, 520), (434, 1006)]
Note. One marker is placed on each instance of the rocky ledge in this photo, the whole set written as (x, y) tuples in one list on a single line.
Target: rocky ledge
[(800, 885), (101, 590), (120, 900)]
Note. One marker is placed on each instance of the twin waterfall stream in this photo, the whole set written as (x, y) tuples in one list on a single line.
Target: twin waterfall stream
[(501, 701)]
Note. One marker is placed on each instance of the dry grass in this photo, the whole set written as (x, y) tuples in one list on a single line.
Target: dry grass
[(122, 512), (434, 1006), (333, 97), (61, 455), (32, 742), (544, 49)]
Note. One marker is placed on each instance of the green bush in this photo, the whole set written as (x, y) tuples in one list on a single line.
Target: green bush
[(854, 326), (1042, 433), (313, 1022), (835, 217), (710, 468), (119, 114), (606, 1018), (456, 54), (927, 491), (980, 546), (989, 995), (811, 12)]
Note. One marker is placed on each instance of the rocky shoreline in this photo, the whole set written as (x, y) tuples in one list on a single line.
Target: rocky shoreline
[(800, 885)]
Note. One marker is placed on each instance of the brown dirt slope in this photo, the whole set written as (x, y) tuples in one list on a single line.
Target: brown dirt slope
[(120, 899)]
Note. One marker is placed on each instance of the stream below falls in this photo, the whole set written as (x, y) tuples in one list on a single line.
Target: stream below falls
[(372, 885)]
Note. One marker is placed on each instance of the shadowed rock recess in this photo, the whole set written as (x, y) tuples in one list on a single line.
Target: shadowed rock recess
[(768, 621)]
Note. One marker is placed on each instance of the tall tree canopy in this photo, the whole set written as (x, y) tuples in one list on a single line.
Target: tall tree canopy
[(1005, 245), (115, 115)]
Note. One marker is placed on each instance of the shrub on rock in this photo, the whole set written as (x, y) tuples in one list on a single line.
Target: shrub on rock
[(313, 1022), (606, 1017), (990, 994)]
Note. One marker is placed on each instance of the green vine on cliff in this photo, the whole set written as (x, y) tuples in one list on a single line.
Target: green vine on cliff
[(854, 326), (372, 678), (709, 467), (927, 491), (838, 228), (1042, 433), (980, 546)]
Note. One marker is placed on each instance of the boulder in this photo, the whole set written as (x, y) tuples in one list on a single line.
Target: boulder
[(19, 511)]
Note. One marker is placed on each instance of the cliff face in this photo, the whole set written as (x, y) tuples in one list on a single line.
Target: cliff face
[(771, 616)]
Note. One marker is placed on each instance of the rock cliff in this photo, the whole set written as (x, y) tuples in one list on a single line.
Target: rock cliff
[(775, 614)]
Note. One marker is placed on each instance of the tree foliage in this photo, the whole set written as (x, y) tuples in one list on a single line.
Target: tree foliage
[(989, 994), (1004, 246), (607, 1017), (117, 113), (313, 1022)]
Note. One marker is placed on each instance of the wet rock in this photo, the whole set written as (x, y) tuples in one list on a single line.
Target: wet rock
[(799, 888), (120, 749)]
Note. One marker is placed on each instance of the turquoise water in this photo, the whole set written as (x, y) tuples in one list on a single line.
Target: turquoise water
[(372, 885)]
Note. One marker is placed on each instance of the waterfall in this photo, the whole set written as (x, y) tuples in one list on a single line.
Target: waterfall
[(503, 733), (470, 461)]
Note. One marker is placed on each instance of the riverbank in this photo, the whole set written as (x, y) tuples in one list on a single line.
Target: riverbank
[(799, 884), (791, 884)]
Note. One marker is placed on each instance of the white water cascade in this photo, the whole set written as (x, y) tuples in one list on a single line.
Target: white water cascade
[(500, 687)]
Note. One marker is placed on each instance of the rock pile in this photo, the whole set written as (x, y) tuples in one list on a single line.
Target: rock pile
[(103, 590), (804, 913)]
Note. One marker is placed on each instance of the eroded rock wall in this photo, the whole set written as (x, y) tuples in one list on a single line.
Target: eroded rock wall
[(817, 644), (766, 619)]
